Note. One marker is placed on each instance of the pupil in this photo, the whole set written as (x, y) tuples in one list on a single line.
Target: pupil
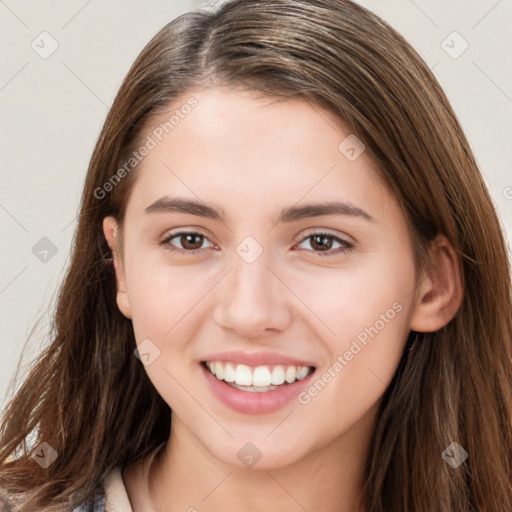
[(189, 240), (324, 241)]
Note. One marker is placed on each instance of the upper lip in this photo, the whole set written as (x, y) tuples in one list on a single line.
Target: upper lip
[(257, 358)]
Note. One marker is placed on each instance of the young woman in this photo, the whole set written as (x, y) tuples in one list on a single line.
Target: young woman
[(289, 289)]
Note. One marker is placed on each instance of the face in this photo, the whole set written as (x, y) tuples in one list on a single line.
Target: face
[(294, 255)]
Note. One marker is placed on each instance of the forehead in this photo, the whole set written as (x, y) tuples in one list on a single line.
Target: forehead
[(260, 150)]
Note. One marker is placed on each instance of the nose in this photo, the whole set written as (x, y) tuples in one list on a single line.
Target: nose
[(252, 299)]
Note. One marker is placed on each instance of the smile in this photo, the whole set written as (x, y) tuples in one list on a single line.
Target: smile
[(255, 389), (259, 378)]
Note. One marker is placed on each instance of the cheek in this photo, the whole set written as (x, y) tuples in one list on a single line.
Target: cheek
[(349, 299), (356, 379), (367, 311), (163, 300), (161, 295)]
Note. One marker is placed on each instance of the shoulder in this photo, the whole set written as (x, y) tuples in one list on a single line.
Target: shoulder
[(99, 506), (115, 497)]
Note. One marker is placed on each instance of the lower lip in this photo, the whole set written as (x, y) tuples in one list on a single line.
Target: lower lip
[(257, 402)]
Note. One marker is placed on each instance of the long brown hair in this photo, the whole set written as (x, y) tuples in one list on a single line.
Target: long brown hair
[(91, 400)]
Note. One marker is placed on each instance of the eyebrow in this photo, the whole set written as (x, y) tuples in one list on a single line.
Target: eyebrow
[(294, 213)]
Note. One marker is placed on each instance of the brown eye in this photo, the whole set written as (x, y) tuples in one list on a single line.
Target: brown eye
[(190, 242), (322, 243)]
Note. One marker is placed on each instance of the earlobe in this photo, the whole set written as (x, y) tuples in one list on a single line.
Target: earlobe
[(440, 290), (110, 230)]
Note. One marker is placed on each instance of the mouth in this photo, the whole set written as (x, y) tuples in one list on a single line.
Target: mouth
[(257, 379)]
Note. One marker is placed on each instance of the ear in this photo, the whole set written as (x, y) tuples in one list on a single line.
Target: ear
[(441, 291), (111, 231)]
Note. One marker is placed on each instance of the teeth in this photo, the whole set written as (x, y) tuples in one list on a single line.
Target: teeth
[(254, 389), (302, 372), (258, 377), (229, 372), (261, 377), (219, 371), (291, 374), (243, 375), (278, 375)]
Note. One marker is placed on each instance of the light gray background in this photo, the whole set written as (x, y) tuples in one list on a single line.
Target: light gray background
[(52, 110)]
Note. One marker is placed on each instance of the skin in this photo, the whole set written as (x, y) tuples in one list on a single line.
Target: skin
[(253, 156)]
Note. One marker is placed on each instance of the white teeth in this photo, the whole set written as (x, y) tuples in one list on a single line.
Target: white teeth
[(278, 375), (302, 372), (229, 372), (291, 374), (243, 375), (219, 371), (254, 389), (260, 377)]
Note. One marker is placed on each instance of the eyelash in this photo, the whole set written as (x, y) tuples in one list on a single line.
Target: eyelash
[(348, 246)]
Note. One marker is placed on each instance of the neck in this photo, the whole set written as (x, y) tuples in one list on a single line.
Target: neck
[(185, 476)]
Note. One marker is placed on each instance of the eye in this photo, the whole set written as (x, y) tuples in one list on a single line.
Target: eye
[(190, 242), (322, 243)]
